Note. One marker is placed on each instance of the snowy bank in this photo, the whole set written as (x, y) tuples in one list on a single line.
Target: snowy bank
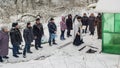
[(111, 6)]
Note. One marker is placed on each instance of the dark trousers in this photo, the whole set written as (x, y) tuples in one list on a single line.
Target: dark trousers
[(92, 33), (99, 31), (62, 34), (15, 49), (86, 28), (1, 59), (26, 48), (50, 34), (68, 32), (38, 42)]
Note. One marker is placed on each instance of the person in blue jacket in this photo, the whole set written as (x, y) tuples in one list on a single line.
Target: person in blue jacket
[(52, 31)]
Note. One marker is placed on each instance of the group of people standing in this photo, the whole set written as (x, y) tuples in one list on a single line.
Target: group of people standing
[(80, 25), (36, 32), (66, 24), (29, 34)]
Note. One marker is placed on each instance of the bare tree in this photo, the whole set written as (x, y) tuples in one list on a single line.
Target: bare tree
[(72, 2), (92, 1), (15, 1), (96, 1), (22, 5), (33, 4), (49, 2), (88, 1)]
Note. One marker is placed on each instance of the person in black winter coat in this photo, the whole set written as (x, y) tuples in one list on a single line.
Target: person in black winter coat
[(92, 24), (38, 32), (85, 22), (16, 39), (52, 31), (69, 25), (28, 37)]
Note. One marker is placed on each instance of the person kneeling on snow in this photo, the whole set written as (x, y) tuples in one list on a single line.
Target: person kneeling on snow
[(4, 42), (28, 37), (77, 32)]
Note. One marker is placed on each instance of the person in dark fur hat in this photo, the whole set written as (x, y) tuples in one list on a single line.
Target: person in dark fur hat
[(16, 39)]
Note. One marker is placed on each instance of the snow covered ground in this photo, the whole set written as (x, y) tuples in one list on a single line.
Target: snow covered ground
[(65, 55)]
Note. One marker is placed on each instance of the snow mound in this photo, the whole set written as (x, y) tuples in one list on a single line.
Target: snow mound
[(108, 6)]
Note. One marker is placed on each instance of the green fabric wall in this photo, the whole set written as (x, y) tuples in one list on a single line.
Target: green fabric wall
[(111, 33)]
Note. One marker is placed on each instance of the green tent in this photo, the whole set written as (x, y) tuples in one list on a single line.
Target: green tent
[(110, 25)]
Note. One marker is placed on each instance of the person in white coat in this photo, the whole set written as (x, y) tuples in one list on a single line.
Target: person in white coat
[(77, 27)]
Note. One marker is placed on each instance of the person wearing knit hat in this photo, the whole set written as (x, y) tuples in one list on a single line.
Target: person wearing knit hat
[(16, 39), (28, 37)]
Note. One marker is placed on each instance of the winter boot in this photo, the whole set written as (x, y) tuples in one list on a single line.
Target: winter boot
[(29, 52), (40, 46), (1, 60), (16, 56), (36, 47), (55, 43), (24, 56), (19, 53), (6, 57)]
